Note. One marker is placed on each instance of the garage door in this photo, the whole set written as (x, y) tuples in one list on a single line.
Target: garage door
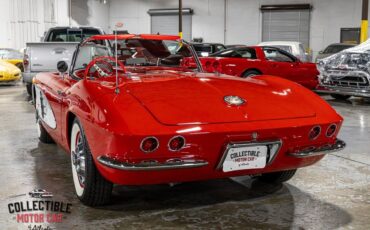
[(167, 22), (286, 25)]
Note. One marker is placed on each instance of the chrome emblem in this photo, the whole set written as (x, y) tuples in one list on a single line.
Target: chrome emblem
[(234, 100)]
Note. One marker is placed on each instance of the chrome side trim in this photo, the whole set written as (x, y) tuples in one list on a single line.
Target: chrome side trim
[(273, 148), (312, 151), (152, 165)]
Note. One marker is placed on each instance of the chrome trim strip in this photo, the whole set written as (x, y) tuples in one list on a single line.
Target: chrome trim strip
[(152, 165), (250, 144), (338, 146)]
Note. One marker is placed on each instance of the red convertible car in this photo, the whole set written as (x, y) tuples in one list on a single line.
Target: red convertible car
[(250, 61), (149, 119)]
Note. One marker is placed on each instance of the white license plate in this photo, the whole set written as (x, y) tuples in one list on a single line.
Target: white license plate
[(247, 157)]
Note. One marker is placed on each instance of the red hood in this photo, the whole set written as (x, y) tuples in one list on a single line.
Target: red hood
[(175, 99)]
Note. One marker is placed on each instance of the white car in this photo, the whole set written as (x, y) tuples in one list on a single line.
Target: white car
[(295, 48)]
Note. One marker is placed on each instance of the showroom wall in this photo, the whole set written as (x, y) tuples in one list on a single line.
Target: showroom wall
[(228, 21), (243, 18), (24, 21)]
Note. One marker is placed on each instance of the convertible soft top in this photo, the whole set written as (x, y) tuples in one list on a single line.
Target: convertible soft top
[(132, 36)]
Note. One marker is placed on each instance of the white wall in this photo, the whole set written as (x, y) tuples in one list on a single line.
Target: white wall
[(243, 18), (24, 21), (208, 19)]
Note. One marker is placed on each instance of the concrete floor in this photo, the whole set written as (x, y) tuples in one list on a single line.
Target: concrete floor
[(333, 194)]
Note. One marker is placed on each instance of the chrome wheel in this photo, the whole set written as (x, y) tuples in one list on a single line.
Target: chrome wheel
[(78, 161)]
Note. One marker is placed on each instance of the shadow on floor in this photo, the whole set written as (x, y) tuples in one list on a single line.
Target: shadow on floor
[(223, 203)]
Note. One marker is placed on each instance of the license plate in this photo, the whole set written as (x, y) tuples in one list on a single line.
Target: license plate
[(247, 157)]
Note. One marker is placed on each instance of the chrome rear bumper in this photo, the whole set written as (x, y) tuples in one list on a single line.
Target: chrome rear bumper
[(152, 165), (312, 151), (345, 91)]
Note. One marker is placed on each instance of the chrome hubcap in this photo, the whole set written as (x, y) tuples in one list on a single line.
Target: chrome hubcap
[(78, 159)]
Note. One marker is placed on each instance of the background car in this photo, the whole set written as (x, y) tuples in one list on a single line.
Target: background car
[(256, 60), (346, 73), (9, 73), (295, 48), (333, 49), (205, 49), (12, 56)]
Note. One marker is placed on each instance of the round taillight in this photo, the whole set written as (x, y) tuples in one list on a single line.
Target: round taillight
[(331, 130), (217, 67), (315, 132), (209, 67), (149, 144), (176, 143)]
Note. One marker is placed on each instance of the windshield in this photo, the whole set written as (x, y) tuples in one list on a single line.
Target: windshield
[(10, 54), (152, 54), (285, 48), (336, 48)]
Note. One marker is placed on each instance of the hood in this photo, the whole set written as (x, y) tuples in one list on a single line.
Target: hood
[(175, 99), (7, 67)]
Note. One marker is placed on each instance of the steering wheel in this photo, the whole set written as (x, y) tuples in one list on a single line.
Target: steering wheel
[(102, 67)]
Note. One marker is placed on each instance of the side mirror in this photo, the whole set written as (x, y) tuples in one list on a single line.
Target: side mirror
[(62, 67)]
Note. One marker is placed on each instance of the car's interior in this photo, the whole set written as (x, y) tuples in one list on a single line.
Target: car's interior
[(156, 54)]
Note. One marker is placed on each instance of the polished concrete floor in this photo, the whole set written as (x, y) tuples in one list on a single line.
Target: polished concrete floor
[(333, 194)]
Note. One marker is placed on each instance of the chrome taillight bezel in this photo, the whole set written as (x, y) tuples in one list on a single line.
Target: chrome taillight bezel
[(311, 130), (335, 130), (174, 137), (146, 138)]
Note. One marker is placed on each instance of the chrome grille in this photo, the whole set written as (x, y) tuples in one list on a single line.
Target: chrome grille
[(348, 80)]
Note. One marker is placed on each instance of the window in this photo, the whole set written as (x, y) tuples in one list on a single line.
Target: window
[(248, 53), (219, 47), (336, 48), (277, 55), (70, 35)]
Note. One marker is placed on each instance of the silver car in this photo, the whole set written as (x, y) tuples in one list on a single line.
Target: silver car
[(332, 49)]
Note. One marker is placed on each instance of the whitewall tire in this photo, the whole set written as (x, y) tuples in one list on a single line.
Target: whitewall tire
[(90, 186)]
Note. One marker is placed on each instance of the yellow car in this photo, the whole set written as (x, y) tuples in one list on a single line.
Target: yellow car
[(9, 73), (12, 56)]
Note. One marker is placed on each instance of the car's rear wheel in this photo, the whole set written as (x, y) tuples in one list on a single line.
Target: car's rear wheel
[(29, 88), (250, 73), (90, 186), (43, 135), (277, 177), (340, 97)]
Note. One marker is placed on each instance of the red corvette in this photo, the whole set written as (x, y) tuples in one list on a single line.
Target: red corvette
[(148, 119), (250, 61)]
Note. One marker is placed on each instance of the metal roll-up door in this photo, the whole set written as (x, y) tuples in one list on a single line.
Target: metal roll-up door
[(167, 22), (286, 24)]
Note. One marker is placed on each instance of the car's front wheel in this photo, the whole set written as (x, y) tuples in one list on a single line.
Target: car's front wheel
[(90, 186), (340, 97), (277, 177)]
